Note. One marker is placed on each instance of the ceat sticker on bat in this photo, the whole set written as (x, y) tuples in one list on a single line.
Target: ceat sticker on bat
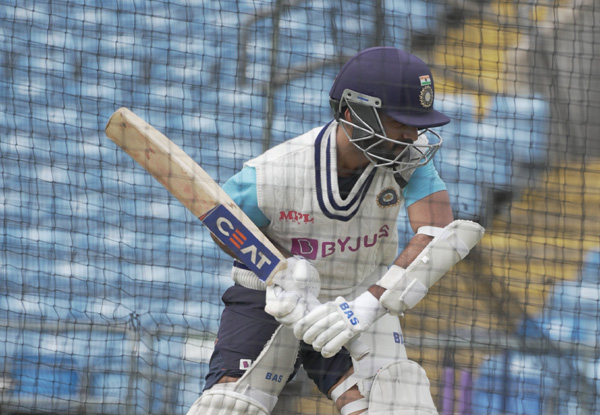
[(230, 231)]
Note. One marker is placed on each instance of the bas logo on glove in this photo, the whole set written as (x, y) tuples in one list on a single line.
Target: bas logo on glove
[(352, 319)]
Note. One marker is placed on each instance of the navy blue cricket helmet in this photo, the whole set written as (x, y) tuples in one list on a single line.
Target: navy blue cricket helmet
[(399, 84)]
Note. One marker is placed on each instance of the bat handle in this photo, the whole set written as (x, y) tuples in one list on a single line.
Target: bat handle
[(355, 346)]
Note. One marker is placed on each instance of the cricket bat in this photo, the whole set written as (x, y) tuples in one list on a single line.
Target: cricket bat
[(201, 195), (196, 190)]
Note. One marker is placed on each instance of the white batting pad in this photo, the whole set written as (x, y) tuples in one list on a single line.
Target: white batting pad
[(401, 388), (273, 366), (256, 392), (221, 400)]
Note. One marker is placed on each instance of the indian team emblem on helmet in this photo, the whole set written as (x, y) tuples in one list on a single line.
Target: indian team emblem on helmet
[(426, 96), (387, 198)]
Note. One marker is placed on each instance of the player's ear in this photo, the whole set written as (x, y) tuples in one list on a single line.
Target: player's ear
[(347, 115)]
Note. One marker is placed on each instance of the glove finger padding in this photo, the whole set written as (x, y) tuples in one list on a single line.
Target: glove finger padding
[(331, 332), (335, 345), (327, 321), (337, 328), (331, 341), (281, 303), (314, 323), (333, 324), (296, 314)]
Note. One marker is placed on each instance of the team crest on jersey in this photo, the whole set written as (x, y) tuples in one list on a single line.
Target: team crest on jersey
[(388, 198)]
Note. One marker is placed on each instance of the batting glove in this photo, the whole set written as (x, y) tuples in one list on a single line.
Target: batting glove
[(293, 292), (330, 326)]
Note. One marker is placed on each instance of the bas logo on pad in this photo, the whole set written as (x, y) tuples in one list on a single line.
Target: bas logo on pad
[(231, 232)]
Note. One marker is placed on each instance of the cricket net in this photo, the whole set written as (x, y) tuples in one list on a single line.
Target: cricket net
[(110, 290)]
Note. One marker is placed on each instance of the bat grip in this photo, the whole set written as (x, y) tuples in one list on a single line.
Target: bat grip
[(355, 347)]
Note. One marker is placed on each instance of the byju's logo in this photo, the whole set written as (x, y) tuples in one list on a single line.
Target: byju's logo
[(245, 364), (306, 247), (313, 248)]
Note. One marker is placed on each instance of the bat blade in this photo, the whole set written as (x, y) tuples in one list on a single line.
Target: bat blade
[(196, 190)]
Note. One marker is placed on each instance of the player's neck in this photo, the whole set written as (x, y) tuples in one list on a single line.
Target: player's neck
[(350, 160)]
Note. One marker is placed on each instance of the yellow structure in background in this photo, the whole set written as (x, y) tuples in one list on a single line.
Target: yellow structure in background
[(474, 55)]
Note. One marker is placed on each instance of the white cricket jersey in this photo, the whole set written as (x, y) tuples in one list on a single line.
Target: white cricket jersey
[(347, 239)]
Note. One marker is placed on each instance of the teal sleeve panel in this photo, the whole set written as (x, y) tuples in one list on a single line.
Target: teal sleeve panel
[(424, 181), (241, 187)]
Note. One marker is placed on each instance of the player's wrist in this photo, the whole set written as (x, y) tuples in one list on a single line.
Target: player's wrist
[(376, 290)]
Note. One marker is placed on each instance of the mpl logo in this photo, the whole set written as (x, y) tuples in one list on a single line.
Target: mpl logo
[(232, 232), (296, 217)]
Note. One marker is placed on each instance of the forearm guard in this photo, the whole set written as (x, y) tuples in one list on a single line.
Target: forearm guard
[(406, 287)]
